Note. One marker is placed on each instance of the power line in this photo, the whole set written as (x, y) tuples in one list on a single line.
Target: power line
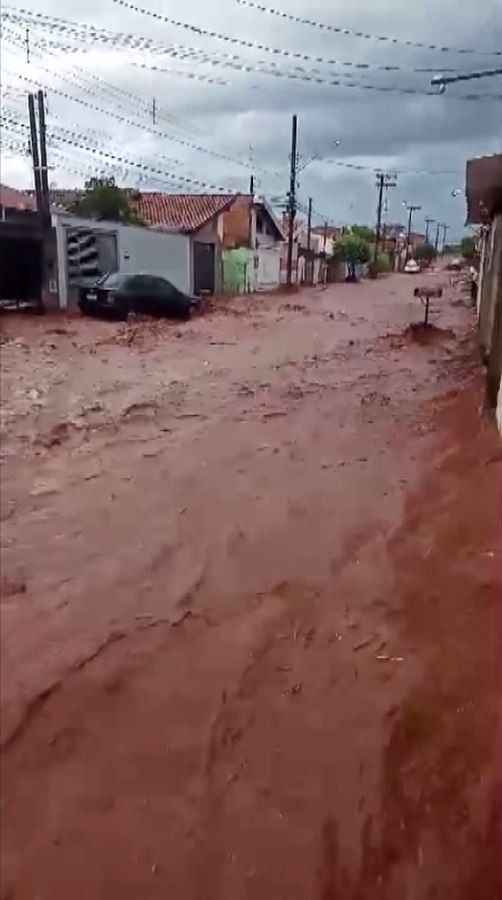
[(254, 45), (128, 121), (360, 168), (87, 145), (84, 31), (230, 61), (349, 32), (333, 82)]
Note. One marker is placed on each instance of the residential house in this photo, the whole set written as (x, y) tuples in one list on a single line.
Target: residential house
[(252, 246), (180, 239), (484, 207), (201, 242)]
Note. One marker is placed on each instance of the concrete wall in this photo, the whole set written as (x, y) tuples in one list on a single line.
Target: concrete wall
[(235, 266), (268, 272), (156, 253), (491, 275), (490, 315)]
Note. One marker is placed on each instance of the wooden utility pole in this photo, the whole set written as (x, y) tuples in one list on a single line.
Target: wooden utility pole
[(411, 209), (445, 229), (428, 221), (291, 207), (384, 181)]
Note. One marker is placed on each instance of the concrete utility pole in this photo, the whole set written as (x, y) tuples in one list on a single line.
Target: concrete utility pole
[(445, 229), (384, 180), (436, 242), (309, 224), (291, 208), (428, 221), (34, 154), (44, 175), (411, 209)]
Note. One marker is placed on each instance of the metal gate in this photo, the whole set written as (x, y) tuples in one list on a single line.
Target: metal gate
[(203, 267)]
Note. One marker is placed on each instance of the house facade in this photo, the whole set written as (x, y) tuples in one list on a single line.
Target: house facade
[(180, 238), (203, 243), (252, 245), (484, 208)]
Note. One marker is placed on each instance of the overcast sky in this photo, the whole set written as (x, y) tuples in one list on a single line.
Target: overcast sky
[(246, 115)]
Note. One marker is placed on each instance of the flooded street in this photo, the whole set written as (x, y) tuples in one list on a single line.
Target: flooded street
[(252, 604)]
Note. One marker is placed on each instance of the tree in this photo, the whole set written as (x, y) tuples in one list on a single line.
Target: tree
[(104, 200), (468, 248), (383, 263), (426, 252), (353, 251), (364, 232)]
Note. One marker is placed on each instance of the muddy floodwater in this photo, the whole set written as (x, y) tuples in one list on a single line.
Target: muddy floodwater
[(252, 604)]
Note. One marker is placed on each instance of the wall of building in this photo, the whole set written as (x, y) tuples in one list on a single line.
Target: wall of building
[(156, 253), (236, 265), (490, 315), (268, 271), (489, 284)]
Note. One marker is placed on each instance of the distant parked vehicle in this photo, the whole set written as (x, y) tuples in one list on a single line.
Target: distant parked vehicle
[(456, 265), (118, 295), (412, 267)]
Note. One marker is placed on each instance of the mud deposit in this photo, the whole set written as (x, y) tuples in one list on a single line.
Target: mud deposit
[(252, 603)]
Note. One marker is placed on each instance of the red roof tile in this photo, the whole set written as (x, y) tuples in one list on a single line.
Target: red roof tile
[(186, 212), (12, 199)]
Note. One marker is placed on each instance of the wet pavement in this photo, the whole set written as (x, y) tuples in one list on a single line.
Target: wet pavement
[(252, 604)]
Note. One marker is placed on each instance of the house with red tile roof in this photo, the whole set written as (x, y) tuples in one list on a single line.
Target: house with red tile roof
[(185, 237)]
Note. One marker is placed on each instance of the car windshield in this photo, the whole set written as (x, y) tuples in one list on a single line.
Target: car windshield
[(112, 281)]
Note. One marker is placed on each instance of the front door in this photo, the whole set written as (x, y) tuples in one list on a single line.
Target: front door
[(203, 267)]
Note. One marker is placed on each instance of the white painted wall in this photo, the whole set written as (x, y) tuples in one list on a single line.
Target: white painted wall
[(269, 268), (155, 253)]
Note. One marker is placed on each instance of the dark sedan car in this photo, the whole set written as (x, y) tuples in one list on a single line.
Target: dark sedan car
[(118, 295)]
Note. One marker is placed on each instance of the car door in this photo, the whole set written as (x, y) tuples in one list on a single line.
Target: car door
[(169, 299)]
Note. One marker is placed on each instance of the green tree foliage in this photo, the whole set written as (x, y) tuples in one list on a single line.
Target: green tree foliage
[(104, 200), (353, 251), (383, 263), (364, 232), (468, 248), (425, 251)]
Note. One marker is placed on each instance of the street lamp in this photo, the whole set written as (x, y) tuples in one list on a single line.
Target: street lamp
[(440, 81), (303, 165)]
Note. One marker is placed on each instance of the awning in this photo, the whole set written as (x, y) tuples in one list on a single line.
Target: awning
[(484, 188)]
